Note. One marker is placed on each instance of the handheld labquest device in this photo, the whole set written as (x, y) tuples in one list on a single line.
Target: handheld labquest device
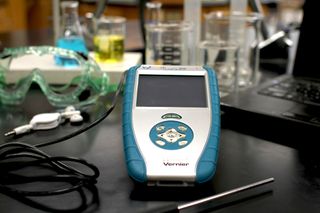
[(171, 124)]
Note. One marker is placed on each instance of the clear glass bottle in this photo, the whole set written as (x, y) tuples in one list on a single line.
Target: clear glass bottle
[(71, 35), (153, 12)]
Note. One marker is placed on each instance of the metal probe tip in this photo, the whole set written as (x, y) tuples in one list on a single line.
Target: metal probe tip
[(223, 194)]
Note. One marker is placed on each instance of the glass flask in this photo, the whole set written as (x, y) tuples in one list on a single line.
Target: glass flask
[(71, 35)]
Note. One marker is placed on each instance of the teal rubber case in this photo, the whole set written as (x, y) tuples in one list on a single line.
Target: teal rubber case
[(207, 163)]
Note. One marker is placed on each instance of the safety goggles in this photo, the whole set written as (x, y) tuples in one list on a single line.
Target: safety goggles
[(63, 86)]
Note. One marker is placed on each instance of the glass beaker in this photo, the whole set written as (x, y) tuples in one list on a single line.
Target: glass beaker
[(71, 36), (237, 37), (223, 58), (109, 39), (168, 43)]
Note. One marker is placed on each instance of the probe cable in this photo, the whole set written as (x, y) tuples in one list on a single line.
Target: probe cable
[(16, 157)]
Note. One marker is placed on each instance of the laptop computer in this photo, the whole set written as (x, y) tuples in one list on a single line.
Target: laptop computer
[(288, 103)]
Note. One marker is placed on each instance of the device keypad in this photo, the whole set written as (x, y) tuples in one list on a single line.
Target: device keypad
[(171, 135)]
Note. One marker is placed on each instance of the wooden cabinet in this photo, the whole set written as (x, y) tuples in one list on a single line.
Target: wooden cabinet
[(13, 15)]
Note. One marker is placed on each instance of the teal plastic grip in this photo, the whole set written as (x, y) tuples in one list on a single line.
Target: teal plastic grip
[(135, 163), (208, 160)]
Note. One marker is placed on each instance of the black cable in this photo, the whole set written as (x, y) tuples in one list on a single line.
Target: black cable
[(85, 204), (16, 158)]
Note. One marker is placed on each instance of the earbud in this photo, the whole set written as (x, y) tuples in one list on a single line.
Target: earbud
[(76, 118), (70, 108), (72, 114)]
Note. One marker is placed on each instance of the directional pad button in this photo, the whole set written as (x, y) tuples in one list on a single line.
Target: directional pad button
[(171, 135)]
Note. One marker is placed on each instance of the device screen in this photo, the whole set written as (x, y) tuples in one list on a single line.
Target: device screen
[(171, 91)]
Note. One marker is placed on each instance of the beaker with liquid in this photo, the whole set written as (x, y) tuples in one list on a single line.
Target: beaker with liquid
[(109, 39), (169, 43), (223, 58), (231, 49)]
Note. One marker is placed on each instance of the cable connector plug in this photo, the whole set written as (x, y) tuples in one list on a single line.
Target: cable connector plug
[(19, 130), (45, 121)]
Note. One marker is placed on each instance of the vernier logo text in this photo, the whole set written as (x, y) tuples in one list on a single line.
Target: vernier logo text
[(175, 164)]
